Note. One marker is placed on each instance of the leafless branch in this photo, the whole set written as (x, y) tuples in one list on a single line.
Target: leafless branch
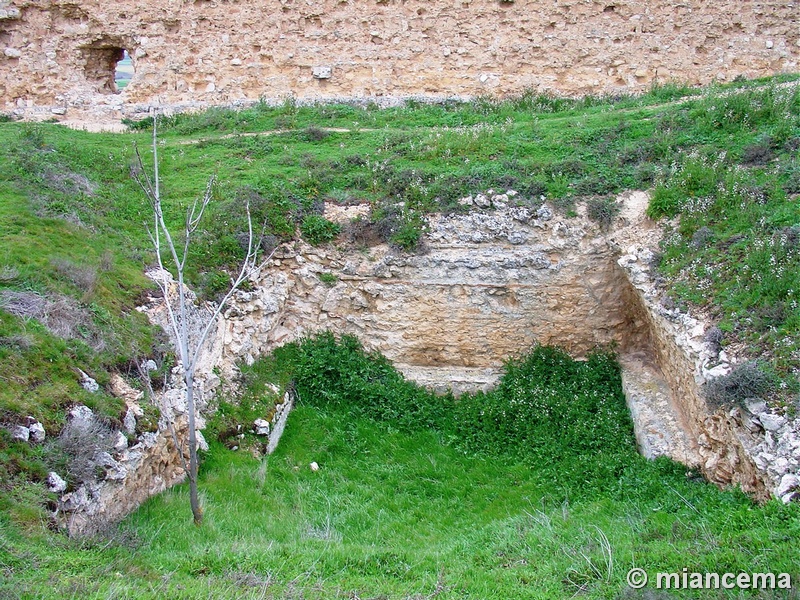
[(163, 241)]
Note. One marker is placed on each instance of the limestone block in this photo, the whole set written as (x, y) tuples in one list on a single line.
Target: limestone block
[(789, 483), (482, 201), (20, 433), (779, 466), (8, 13), (81, 416), (122, 389), (37, 432), (120, 442), (114, 470), (202, 444), (129, 421), (89, 384), (55, 483), (771, 422)]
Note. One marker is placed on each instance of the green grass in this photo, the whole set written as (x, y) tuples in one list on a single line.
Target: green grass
[(399, 515), (735, 251), (722, 162), (72, 222), (416, 500)]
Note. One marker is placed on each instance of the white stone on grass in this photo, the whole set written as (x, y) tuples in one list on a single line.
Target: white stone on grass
[(261, 427), (89, 384), (37, 432), (55, 483), (20, 433)]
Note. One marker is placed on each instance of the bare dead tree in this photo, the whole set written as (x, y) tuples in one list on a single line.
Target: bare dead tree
[(189, 351)]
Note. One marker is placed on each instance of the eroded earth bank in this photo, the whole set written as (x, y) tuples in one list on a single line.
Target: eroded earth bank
[(488, 286)]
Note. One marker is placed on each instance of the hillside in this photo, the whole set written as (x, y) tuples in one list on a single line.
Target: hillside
[(722, 167)]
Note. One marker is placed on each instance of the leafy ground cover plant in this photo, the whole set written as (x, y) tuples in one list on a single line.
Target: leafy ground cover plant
[(547, 407), (405, 503)]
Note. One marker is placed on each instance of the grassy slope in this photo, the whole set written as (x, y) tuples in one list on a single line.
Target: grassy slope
[(71, 219), (393, 515)]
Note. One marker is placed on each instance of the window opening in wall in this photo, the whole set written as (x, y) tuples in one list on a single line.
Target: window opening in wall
[(124, 71), (101, 63)]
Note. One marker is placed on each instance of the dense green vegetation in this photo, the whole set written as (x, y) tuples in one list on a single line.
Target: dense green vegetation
[(412, 502), (549, 409), (724, 169)]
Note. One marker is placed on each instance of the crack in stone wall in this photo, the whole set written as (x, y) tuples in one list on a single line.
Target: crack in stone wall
[(216, 52)]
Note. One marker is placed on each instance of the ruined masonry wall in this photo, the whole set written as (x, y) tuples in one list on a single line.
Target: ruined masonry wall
[(719, 443), (61, 53), (492, 283)]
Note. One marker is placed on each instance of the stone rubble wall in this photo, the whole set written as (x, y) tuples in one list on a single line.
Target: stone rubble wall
[(152, 462), (150, 466), (58, 56), (495, 282), (491, 284), (752, 447)]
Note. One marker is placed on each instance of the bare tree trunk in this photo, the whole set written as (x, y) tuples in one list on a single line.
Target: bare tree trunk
[(194, 501), (179, 320)]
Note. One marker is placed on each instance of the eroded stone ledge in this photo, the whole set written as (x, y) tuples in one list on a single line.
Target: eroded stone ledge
[(493, 283)]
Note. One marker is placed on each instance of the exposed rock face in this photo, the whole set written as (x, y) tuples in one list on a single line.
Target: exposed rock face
[(495, 282), (282, 410), (715, 441), (492, 284), (62, 54)]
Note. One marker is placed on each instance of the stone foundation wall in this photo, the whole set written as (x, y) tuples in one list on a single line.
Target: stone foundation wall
[(61, 54), (491, 285), (495, 282), (717, 442), (150, 466)]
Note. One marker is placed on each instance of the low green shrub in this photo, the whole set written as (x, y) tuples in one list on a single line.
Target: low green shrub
[(316, 229), (328, 278), (313, 133), (547, 409), (603, 211), (408, 234), (745, 381), (396, 224)]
